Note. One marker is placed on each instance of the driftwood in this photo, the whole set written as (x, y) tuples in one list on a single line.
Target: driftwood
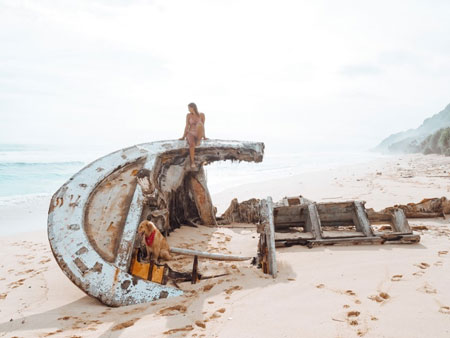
[(215, 256), (244, 212), (427, 208)]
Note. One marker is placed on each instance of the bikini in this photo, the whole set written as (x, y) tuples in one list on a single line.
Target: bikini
[(193, 122)]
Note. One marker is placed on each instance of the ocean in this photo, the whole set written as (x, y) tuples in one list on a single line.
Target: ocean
[(27, 171)]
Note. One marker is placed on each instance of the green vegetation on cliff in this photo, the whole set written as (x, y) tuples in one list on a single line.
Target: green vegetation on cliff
[(437, 143), (426, 138)]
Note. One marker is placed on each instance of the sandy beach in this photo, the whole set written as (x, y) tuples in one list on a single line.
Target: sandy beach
[(352, 291)]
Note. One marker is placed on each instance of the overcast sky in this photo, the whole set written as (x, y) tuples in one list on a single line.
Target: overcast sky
[(305, 73)]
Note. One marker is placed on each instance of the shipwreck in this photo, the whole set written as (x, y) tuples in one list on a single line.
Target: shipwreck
[(93, 219)]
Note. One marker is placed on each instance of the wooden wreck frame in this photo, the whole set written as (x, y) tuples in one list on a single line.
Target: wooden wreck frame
[(94, 216), (295, 212)]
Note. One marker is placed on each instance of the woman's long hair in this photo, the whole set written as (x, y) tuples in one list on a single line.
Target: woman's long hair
[(194, 106)]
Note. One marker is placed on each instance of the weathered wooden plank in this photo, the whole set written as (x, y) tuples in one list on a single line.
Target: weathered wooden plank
[(342, 234), (279, 236), (269, 232), (400, 239), (336, 208), (347, 241), (375, 240), (360, 219), (378, 217), (215, 256), (292, 211), (296, 214), (400, 222), (313, 221), (293, 200), (291, 242)]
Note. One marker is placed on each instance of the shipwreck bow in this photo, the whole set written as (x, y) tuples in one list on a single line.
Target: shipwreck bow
[(94, 216)]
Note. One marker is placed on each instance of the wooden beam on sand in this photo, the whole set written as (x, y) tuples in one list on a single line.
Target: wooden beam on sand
[(313, 221), (361, 220), (400, 222), (391, 238), (266, 249), (215, 256)]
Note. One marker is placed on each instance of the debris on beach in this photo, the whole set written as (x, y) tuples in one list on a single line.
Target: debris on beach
[(427, 208)]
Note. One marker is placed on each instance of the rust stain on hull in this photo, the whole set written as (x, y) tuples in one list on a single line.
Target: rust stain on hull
[(107, 209), (92, 235)]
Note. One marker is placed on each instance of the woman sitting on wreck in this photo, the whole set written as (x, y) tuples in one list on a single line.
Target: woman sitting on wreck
[(194, 131)]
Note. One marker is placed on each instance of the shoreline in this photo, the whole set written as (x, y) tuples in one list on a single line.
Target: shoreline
[(344, 182)]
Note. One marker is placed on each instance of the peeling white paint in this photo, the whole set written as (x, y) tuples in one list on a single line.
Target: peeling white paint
[(110, 283)]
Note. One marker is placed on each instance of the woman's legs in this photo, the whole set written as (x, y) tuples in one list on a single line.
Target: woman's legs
[(192, 141), (200, 132), (192, 155)]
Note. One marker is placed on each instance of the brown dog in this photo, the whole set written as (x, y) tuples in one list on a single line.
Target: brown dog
[(154, 241)]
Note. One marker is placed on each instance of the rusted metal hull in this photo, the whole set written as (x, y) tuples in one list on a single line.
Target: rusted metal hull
[(94, 216)]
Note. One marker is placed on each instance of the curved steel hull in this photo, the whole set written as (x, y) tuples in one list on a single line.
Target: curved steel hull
[(94, 216)]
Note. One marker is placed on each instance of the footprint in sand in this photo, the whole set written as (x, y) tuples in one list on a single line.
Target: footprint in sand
[(419, 273), (48, 334), (182, 329), (81, 323), (217, 313), (229, 291), (124, 325), (427, 288), (380, 298), (201, 324), (352, 317), (173, 310), (396, 278), (438, 263), (16, 284), (442, 253), (24, 272), (445, 310), (423, 265)]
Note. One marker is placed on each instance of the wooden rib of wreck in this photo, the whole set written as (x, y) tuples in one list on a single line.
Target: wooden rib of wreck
[(93, 218), (298, 221)]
